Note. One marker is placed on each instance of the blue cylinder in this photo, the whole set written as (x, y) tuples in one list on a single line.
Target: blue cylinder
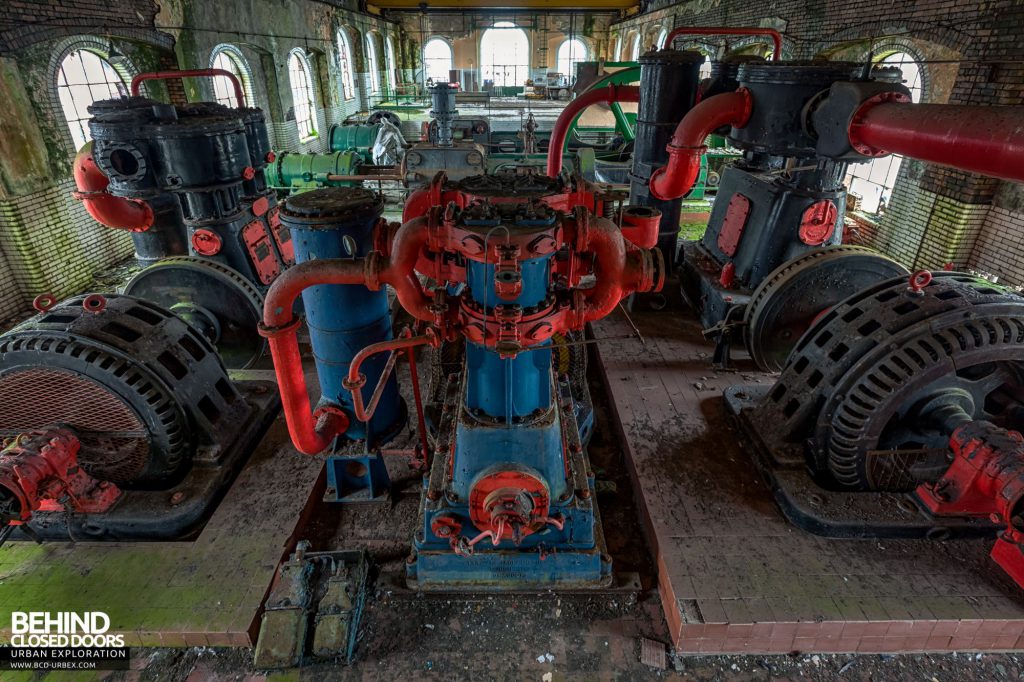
[(513, 387), (338, 222)]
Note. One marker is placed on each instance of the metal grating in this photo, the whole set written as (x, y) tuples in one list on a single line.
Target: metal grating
[(115, 442)]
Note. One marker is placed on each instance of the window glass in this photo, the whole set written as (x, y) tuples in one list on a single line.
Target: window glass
[(302, 95), (505, 55), (84, 77), (437, 60), (872, 183)]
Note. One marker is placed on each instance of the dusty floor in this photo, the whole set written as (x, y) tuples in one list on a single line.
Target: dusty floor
[(545, 637)]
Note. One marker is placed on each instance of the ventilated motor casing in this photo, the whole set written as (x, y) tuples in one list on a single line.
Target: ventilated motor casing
[(144, 392)]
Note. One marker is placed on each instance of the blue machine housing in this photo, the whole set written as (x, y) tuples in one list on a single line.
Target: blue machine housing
[(509, 414), (342, 320)]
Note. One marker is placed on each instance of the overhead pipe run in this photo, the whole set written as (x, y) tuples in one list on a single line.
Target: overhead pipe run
[(676, 178), (775, 36), (556, 145), (138, 80)]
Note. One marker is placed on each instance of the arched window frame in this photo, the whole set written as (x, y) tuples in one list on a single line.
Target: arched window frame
[(634, 46), (125, 70), (373, 61), (222, 90), (389, 61), (303, 94), (344, 46), (518, 79), (662, 37), (572, 59), (875, 181), (450, 59)]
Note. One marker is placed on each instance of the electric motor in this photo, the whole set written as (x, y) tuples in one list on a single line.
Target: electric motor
[(143, 390)]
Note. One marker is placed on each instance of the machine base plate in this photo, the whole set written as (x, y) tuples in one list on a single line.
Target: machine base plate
[(838, 514), (178, 513)]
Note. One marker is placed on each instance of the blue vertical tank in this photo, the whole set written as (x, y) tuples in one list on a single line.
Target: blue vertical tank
[(338, 222)]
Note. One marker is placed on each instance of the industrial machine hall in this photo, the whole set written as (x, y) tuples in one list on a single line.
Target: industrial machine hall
[(511, 340)]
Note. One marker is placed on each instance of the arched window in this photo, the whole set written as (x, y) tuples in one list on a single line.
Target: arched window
[(569, 52), (505, 54), (662, 37), (229, 58), (348, 90), (437, 60), (617, 55), (872, 183), (372, 62), (83, 77), (303, 100), (389, 57), (634, 50)]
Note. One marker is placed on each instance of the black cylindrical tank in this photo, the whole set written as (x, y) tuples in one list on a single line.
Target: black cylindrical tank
[(668, 89), (725, 74)]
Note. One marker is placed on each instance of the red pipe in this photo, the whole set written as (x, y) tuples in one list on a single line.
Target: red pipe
[(280, 326), (687, 145), (189, 73), (556, 145), (356, 380), (120, 213), (985, 140), (619, 267), (727, 31), (312, 433)]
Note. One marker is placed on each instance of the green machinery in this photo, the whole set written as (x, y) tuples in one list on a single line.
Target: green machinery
[(351, 147)]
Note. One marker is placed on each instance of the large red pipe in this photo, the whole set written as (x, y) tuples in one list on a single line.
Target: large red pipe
[(727, 31), (687, 145), (556, 145), (120, 213), (138, 80), (985, 140)]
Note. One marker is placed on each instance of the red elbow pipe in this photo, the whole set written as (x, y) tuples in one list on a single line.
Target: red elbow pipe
[(556, 145), (310, 432), (410, 240), (119, 213), (138, 80), (727, 31), (986, 140), (687, 145)]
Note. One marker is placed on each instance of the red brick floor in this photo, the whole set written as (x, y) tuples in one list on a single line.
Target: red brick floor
[(734, 575)]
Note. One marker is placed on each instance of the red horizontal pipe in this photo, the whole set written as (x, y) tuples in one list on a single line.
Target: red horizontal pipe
[(556, 145), (138, 80), (981, 139), (120, 213), (280, 326), (687, 145), (727, 31)]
